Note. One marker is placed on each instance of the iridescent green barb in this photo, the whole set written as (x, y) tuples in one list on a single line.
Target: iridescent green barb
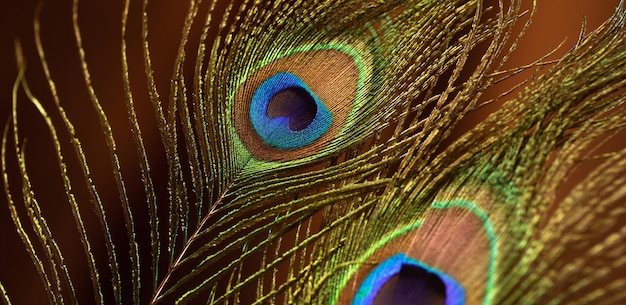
[(205, 192)]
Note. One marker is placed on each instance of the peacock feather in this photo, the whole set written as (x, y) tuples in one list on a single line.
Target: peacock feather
[(312, 152)]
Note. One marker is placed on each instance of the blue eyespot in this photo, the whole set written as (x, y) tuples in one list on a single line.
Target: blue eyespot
[(403, 280), (286, 114)]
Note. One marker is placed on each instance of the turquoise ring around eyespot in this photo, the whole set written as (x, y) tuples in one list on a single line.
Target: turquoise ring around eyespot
[(286, 114)]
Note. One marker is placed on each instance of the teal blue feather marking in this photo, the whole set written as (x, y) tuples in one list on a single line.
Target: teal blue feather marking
[(276, 131)]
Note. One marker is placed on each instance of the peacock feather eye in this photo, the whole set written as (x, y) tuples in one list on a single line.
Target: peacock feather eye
[(403, 280), (286, 114), (446, 258), (299, 103)]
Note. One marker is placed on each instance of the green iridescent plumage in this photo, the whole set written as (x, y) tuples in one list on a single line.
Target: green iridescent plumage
[(176, 197)]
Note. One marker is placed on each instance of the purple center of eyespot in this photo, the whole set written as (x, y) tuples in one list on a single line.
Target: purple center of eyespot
[(411, 286), (295, 103)]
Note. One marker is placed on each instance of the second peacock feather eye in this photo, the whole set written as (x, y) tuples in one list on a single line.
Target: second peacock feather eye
[(403, 280), (286, 114)]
